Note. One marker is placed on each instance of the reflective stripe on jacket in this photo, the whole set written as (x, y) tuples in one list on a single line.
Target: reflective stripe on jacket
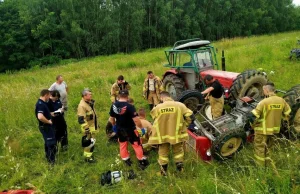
[(269, 113), (89, 115), (170, 123)]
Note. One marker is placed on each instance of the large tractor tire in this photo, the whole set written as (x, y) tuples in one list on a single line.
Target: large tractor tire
[(228, 143), (191, 99), (174, 85), (249, 83), (292, 97)]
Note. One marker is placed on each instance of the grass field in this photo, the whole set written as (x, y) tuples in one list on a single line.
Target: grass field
[(21, 144)]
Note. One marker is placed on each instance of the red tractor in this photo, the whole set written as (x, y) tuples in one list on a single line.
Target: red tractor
[(189, 62)]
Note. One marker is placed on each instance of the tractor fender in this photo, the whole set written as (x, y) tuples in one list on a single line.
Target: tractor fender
[(172, 71)]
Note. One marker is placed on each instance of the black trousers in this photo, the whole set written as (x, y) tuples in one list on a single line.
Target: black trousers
[(61, 133), (50, 142), (128, 135)]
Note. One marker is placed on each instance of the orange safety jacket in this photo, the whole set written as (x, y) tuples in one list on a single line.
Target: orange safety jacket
[(269, 113), (170, 123)]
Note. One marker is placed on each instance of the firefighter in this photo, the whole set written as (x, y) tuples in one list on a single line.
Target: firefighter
[(152, 88), (57, 112), (87, 118), (266, 119), (215, 95), (43, 115), (124, 119), (170, 129), (120, 84)]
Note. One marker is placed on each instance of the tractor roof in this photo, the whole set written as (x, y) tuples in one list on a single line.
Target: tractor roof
[(191, 45)]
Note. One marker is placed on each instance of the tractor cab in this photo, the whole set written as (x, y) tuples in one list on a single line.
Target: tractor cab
[(186, 60), (197, 55)]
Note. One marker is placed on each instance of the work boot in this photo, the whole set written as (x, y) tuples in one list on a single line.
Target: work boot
[(164, 169), (151, 106), (128, 162), (179, 166), (90, 159), (143, 164)]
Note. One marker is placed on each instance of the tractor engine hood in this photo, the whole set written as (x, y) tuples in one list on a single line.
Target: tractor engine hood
[(225, 78)]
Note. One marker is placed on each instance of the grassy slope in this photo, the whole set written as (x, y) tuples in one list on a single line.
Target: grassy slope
[(22, 156)]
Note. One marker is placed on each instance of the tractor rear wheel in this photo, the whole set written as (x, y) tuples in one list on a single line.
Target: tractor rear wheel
[(191, 99), (249, 83), (292, 97), (174, 85), (228, 143)]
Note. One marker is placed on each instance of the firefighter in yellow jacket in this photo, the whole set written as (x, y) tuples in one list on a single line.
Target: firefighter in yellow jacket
[(88, 120), (120, 84), (152, 88), (267, 121), (170, 129)]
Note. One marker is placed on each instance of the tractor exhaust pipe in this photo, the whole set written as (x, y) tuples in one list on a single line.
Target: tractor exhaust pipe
[(223, 61)]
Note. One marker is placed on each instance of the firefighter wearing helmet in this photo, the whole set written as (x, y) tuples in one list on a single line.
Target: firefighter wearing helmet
[(87, 118), (266, 119), (170, 130)]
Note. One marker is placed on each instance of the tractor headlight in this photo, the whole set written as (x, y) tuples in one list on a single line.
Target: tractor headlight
[(208, 153)]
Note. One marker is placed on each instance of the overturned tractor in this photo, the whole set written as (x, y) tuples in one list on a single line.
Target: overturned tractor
[(189, 61), (223, 137)]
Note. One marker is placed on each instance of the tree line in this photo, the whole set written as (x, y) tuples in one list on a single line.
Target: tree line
[(42, 32)]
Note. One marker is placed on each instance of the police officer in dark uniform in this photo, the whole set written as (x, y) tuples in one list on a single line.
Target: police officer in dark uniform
[(43, 115), (57, 111)]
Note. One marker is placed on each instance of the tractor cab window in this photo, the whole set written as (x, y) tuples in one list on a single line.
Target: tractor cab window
[(203, 59), (183, 59)]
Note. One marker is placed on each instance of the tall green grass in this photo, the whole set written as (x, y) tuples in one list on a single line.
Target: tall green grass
[(21, 144)]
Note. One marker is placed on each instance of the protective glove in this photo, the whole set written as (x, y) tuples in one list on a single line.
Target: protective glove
[(115, 128), (142, 131)]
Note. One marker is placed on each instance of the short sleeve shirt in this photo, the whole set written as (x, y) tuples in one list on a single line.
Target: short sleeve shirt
[(124, 114), (41, 107), (218, 89), (62, 88)]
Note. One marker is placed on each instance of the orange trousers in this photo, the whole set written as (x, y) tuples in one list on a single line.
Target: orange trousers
[(136, 144)]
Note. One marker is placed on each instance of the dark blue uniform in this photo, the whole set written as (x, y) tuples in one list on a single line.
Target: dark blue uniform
[(47, 130), (59, 124)]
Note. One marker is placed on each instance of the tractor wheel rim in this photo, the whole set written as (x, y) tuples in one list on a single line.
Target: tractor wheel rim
[(208, 112), (172, 90), (191, 103), (253, 92), (231, 146)]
